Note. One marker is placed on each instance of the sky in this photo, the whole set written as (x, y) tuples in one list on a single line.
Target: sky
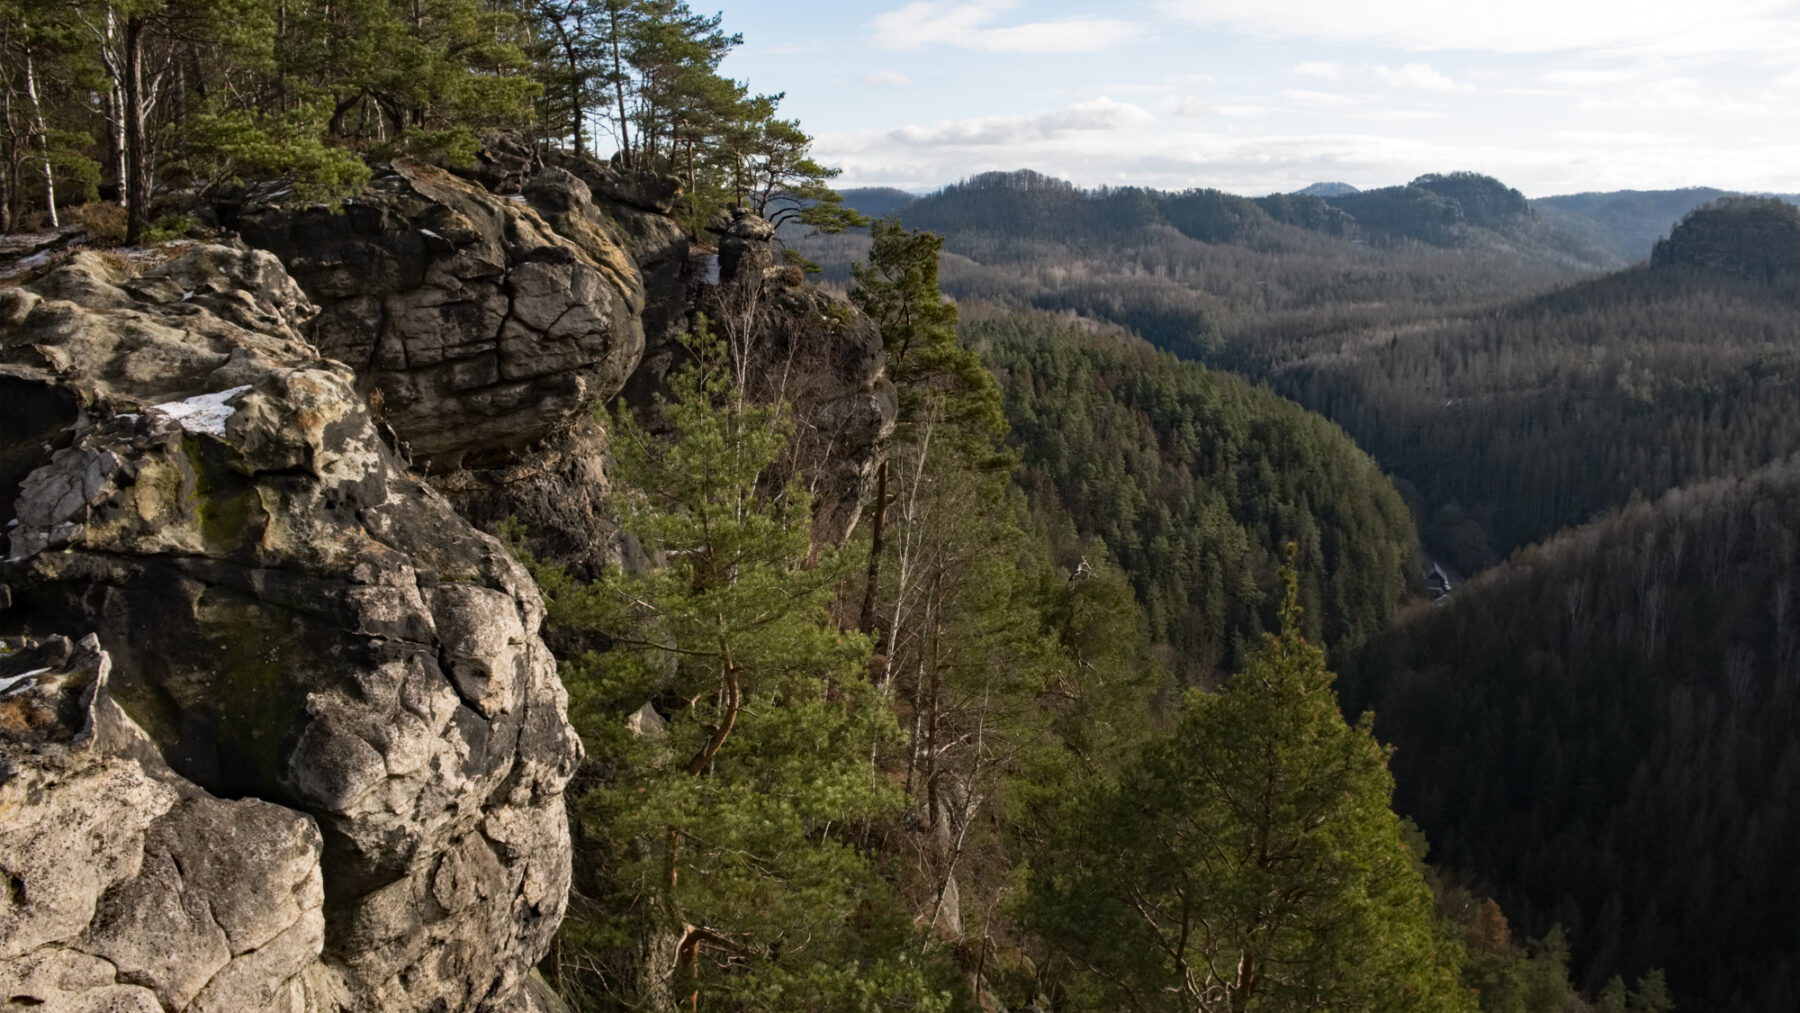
[(1265, 96)]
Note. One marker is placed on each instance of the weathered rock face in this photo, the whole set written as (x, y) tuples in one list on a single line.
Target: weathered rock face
[(296, 621), (818, 354), (638, 205), (482, 327), (131, 889)]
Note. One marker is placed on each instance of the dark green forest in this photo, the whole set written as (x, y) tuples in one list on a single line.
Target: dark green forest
[(1603, 731), (1192, 479)]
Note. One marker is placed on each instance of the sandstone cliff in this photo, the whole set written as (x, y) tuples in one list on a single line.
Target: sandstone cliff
[(314, 727), (292, 616)]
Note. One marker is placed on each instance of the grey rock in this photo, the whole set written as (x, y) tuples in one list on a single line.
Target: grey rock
[(297, 622), (130, 888), (481, 327)]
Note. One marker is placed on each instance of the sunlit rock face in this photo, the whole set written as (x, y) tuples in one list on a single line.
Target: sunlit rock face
[(296, 622), (129, 887)]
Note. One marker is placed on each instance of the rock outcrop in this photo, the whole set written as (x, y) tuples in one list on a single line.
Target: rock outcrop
[(479, 326), (816, 353), (130, 889), (297, 622)]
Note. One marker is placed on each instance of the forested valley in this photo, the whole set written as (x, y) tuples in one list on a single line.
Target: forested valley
[(947, 590), (1569, 428)]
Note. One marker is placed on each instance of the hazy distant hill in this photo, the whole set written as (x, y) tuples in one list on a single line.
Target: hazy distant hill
[(877, 201), (1628, 222), (1326, 190)]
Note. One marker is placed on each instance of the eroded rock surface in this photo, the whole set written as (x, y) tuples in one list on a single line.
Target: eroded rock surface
[(482, 327), (298, 623), (129, 888)]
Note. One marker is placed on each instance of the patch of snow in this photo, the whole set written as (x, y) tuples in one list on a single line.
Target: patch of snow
[(31, 263), (7, 686), (127, 417), (428, 232), (203, 413), (516, 198)]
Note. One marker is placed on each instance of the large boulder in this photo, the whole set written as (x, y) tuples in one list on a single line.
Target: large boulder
[(293, 617), (481, 328), (639, 206)]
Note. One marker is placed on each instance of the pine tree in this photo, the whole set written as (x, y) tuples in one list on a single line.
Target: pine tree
[(729, 731), (1250, 861)]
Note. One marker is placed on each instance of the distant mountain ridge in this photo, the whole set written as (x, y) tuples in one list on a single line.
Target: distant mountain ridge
[(1449, 209), (877, 201), (1326, 190), (1614, 228), (1629, 222)]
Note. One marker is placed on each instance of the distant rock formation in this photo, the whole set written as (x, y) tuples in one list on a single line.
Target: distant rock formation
[(1752, 238)]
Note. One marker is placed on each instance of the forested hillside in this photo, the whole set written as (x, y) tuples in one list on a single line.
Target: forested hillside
[(1513, 423), (1603, 732), (1231, 280), (953, 633), (1193, 480)]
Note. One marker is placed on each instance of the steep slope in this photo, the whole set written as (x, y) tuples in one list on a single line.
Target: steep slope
[(1195, 481), (1603, 731), (1512, 422), (1627, 222)]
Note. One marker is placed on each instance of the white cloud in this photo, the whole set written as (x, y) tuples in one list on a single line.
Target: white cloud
[(1096, 115), (1320, 99), (1323, 68), (1588, 78), (970, 26), (1521, 26), (1189, 106), (887, 79), (1791, 79), (1617, 138), (1246, 110), (1420, 76), (1400, 115)]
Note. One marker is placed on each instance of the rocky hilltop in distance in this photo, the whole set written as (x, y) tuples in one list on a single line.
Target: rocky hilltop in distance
[(278, 727), (1752, 238)]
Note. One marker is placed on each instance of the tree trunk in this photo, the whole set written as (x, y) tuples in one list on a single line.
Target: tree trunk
[(115, 105), (877, 541), (9, 168), (619, 86), (43, 135), (137, 152)]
